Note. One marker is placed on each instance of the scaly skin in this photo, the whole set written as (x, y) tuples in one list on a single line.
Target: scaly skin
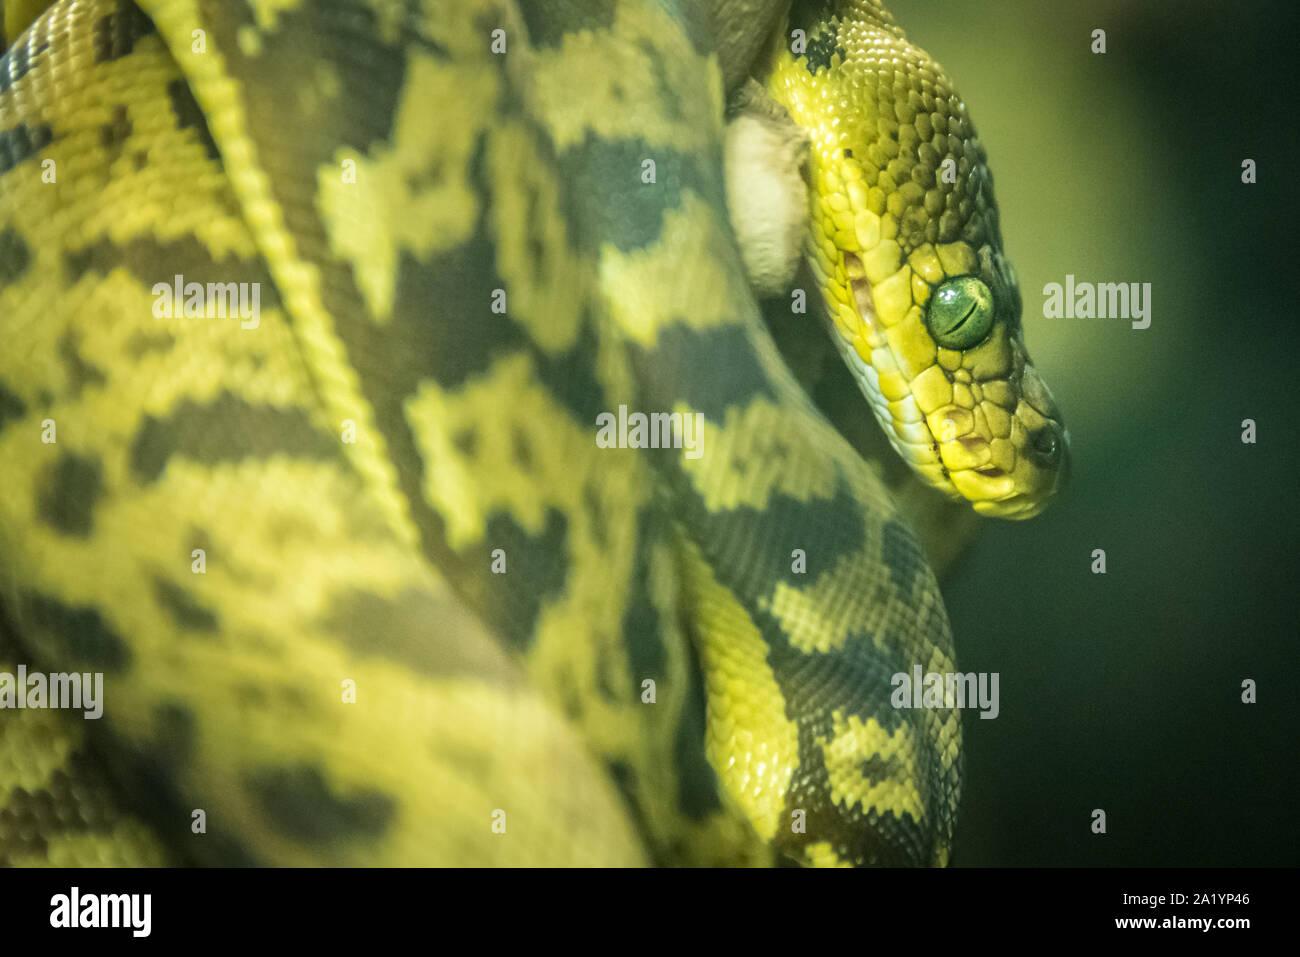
[(901, 203), (353, 470)]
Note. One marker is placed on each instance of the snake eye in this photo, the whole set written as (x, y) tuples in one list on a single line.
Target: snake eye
[(960, 313)]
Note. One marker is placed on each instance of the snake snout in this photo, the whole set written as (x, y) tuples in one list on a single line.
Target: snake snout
[(1042, 472), (1048, 447), (1035, 464)]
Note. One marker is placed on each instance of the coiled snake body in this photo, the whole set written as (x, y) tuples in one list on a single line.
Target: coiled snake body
[(362, 586)]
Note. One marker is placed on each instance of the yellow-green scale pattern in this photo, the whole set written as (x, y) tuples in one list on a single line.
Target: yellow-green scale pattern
[(363, 587)]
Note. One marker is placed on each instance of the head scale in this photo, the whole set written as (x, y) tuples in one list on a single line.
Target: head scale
[(905, 245)]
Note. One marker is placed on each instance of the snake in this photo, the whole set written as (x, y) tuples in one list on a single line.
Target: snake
[(309, 312)]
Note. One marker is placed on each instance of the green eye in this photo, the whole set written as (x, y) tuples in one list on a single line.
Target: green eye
[(960, 313)]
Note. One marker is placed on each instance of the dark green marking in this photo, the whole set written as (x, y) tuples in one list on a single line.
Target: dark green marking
[(116, 32), (189, 115), (144, 343), (829, 531), (80, 372), (151, 262), (822, 47), (665, 94), (227, 429), (68, 492), (17, 62), (22, 143), (372, 74), (11, 406), (521, 448), (861, 838), (81, 633), (697, 782), (433, 635), (614, 205), (821, 27), (641, 627), (15, 257), (541, 564), (174, 735), (113, 134), (712, 370), (184, 608), (570, 377), (301, 805), (548, 23), (902, 556)]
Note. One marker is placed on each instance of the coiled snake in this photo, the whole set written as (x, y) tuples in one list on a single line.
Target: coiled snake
[(363, 587)]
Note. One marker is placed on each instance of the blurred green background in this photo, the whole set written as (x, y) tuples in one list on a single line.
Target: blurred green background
[(1122, 691)]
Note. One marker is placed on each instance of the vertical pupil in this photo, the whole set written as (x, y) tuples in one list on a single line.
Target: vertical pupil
[(952, 300)]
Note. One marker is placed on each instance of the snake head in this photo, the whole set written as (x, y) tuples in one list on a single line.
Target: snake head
[(906, 248)]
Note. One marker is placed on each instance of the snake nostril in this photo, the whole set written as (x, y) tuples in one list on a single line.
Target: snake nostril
[(1046, 445)]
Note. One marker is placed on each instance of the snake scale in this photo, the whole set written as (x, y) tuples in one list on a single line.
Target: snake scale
[(362, 586)]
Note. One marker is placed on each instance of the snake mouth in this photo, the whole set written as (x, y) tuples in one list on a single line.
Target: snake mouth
[(1007, 463), (1040, 473), (1015, 508)]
